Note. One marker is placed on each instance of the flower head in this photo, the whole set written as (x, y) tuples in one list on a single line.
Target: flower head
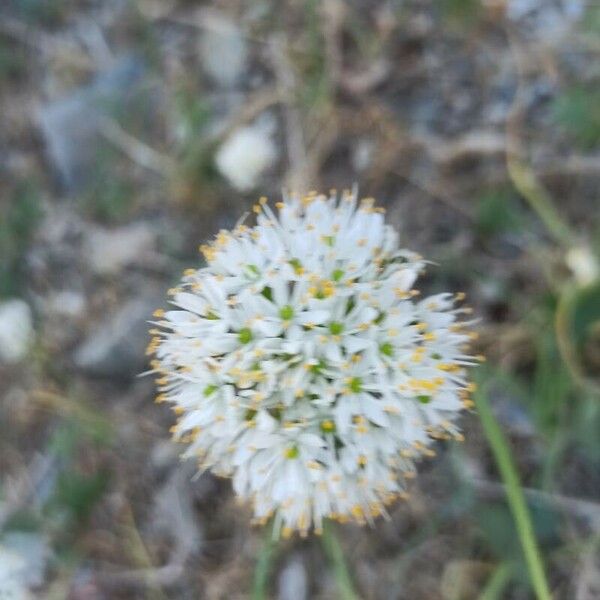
[(305, 366)]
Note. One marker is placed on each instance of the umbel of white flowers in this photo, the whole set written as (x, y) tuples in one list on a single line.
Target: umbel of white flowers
[(303, 364)]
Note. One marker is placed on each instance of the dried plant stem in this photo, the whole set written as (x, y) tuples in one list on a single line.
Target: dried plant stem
[(539, 199), (335, 553), (521, 174), (515, 496)]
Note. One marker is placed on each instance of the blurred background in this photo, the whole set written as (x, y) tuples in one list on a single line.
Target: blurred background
[(133, 130)]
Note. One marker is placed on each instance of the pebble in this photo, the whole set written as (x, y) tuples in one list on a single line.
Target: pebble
[(293, 581), (11, 584), (223, 50), (110, 250), (115, 348), (23, 561), (16, 330), (70, 125)]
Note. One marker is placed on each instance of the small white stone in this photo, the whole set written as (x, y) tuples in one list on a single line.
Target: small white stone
[(293, 584), (109, 251), (16, 330), (362, 155), (67, 303), (11, 583), (245, 155), (223, 49), (32, 553)]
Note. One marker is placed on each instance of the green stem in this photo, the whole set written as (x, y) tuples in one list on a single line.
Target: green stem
[(263, 566), (515, 496), (334, 551), (497, 582)]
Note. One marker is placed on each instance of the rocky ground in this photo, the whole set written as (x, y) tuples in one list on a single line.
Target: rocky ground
[(133, 130)]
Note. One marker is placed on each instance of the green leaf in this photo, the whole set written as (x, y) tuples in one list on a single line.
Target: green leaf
[(461, 13), (18, 222), (78, 493), (578, 112), (497, 213)]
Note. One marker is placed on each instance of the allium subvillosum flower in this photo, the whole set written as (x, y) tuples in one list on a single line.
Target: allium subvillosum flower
[(303, 364)]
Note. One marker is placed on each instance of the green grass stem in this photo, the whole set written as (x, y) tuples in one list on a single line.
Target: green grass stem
[(515, 496), (335, 553), (497, 583), (263, 566)]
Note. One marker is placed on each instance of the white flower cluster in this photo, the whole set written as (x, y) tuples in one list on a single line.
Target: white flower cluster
[(304, 366)]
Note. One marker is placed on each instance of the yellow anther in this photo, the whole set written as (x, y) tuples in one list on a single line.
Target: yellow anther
[(448, 367), (222, 237), (209, 252), (357, 511)]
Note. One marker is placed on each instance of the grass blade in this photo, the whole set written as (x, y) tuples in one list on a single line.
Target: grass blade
[(515, 496), (335, 553), (263, 566), (497, 583)]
